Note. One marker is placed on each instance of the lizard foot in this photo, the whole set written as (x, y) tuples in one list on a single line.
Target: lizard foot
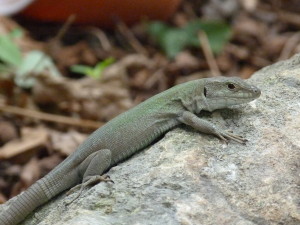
[(90, 180), (229, 135)]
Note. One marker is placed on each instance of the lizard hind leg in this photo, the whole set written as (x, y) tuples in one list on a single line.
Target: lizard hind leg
[(91, 170)]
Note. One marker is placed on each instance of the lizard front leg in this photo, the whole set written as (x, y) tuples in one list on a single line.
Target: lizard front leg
[(91, 170), (204, 126)]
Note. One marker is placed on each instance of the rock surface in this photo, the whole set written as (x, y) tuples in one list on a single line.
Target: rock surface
[(191, 178)]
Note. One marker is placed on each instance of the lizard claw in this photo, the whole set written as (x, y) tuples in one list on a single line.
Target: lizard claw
[(228, 135), (92, 180), (232, 133)]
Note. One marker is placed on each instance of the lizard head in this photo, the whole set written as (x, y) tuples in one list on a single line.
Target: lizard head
[(222, 92)]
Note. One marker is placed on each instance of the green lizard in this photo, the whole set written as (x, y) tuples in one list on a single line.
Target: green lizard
[(132, 131)]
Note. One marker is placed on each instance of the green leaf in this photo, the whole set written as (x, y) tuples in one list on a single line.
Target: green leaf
[(101, 66), (94, 72), (4, 69), (82, 69), (16, 33), (173, 40), (35, 62), (158, 30), (9, 51), (218, 33)]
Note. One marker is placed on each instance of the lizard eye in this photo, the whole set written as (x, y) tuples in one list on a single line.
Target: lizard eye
[(231, 86), (205, 92)]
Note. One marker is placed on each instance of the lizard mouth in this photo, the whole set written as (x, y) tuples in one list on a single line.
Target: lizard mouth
[(255, 93), (235, 99)]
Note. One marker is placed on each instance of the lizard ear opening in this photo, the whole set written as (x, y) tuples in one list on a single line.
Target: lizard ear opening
[(231, 86), (205, 92)]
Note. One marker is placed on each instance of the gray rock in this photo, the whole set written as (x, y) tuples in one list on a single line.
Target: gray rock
[(191, 178)]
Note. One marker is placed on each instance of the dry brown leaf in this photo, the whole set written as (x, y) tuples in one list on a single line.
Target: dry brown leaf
[(48, 163), (66, 56), (246, 26), (239, 52), (30, 173), (66, 143), (13, 170), (140, 78), (185, 60), (249, 5), (192, 76), (247, 71), (8, 132), (25, 43), (87, 97), (3, 199), (92, 99), (31, 138), (220, 9), (119, 70)]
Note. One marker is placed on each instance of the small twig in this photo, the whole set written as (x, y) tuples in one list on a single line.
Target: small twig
[(289, 46), (189, 10), (55, 40), (208, 54), (62, 31), (289, 17), (135, 44), (104, 41), (157, 76), (50, 117)]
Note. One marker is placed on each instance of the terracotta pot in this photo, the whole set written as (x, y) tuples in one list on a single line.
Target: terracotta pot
[(101, 12)]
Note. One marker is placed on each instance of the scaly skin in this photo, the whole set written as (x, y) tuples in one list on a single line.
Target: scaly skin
[(132, 131)]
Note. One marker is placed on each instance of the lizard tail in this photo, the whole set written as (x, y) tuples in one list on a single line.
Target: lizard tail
[(23, 204)]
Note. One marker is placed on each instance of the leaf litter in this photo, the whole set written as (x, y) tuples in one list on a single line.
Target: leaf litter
[(47, 109)]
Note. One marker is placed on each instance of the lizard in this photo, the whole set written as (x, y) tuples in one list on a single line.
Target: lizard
[(131, 132)]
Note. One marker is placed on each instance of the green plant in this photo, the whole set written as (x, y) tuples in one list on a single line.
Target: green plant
[(94, 72), (14, 64), (173, 39), (10, 54)]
